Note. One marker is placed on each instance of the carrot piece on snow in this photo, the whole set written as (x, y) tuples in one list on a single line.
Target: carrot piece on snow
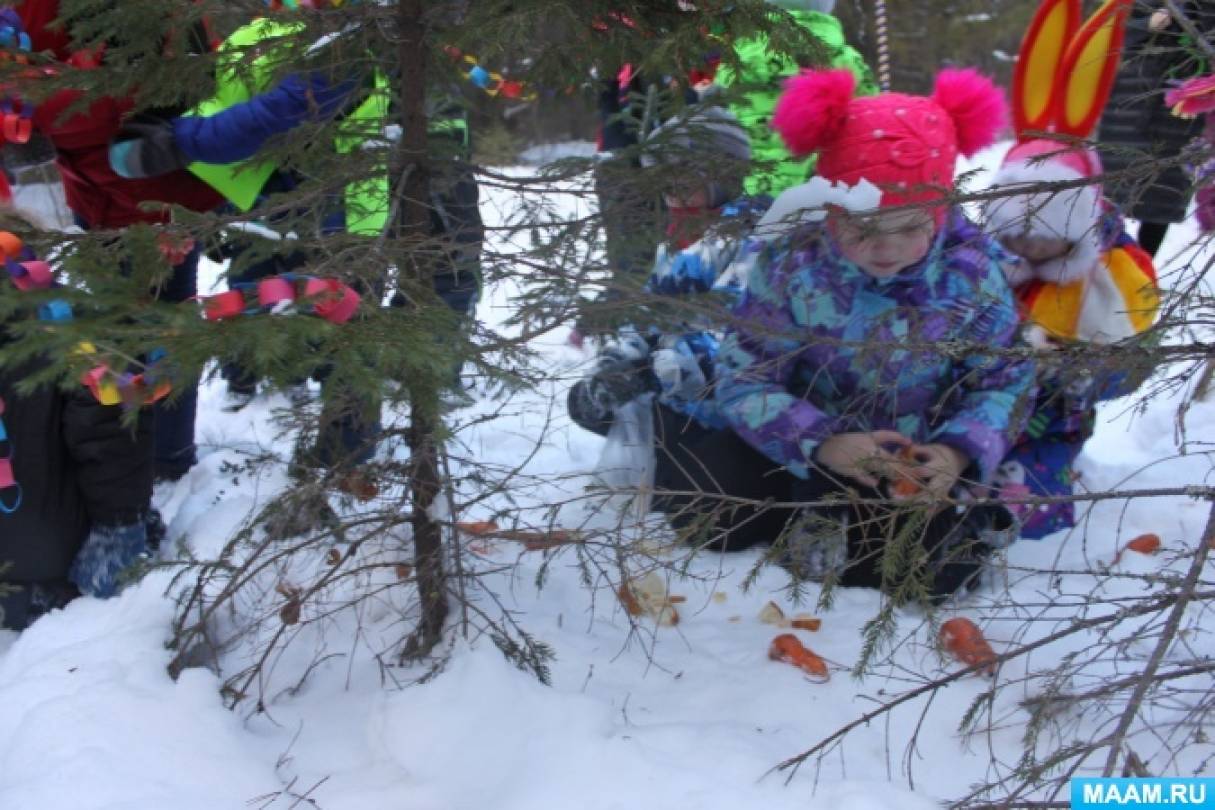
[(788, 648), (531, 540), (477, 528), (965, 641), (648, 596), (1144, 544)]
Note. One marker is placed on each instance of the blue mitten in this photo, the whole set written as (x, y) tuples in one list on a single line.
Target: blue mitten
[(108, 551), (12, 31)]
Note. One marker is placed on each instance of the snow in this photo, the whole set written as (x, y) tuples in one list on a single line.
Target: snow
[(689, 716), (808, 202), (90, 717), (550, 152)]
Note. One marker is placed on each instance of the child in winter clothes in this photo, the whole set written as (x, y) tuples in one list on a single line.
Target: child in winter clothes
[(1080, 278), (832, 381), (705, 153), (101, 199), (75, 485), (758, 83), (247, 114), (630, 215)]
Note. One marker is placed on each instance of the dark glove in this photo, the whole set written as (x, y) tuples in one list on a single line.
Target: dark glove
[(146, 147), (21, 603), (106, 554)]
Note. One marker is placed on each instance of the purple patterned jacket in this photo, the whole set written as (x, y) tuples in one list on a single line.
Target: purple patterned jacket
[(820, 347)]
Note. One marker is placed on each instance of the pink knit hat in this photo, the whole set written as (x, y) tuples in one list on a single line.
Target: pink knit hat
[(905, 145)]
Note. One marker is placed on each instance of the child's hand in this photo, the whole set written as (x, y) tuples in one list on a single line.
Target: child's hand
[(864, 457), (1040, 339), (146, 146), (938, 467)]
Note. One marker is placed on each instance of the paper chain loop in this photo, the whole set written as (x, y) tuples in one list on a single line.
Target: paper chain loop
[(492, 83), (10, 490), (16, 116), (106, 385), (326, 298)]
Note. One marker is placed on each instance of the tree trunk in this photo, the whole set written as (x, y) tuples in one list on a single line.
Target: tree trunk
[(413, 224)]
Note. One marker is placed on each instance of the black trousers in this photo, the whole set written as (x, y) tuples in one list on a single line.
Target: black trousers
[(701, 474), (174, 451), (1151, 236)]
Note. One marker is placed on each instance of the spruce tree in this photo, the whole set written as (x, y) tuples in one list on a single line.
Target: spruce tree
[(403, 350)]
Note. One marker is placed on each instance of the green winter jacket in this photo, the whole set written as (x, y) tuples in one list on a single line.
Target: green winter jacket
[(366, 200), (759, 86)]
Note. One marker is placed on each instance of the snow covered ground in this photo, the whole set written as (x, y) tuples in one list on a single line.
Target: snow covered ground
[(690, 716)]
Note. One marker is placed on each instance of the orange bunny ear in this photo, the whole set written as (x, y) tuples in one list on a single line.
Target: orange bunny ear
[(1088, 69), (1042, 50)]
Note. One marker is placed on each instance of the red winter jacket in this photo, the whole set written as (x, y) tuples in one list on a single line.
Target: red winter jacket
[(94, 192)]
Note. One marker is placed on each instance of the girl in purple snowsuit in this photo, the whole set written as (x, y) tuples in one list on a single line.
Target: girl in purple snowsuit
[(861, 362)]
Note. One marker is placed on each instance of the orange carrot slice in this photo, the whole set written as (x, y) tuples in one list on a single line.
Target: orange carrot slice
[(531, 540), (477, 528), (965, 641), (648, 597), (788, 648), (906, 485), (1145, 544), (631, 605)]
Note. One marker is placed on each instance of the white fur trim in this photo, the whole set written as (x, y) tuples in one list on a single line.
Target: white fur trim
[(1103, 315), (1016, 270), (807, 202), (1070, 214), (1082, 261), (1018, 273)]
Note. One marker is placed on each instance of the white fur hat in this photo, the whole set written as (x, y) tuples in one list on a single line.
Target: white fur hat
[(1072, 214)]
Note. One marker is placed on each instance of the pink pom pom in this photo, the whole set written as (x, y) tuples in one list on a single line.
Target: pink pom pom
[(975, 104), (812, 110)]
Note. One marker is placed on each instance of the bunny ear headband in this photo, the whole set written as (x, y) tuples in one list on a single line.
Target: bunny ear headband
[(1065, 70)]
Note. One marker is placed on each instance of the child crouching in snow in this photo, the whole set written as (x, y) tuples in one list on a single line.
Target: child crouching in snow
[(1080, 278), (75, 482), (835, 382), (707, 152)]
